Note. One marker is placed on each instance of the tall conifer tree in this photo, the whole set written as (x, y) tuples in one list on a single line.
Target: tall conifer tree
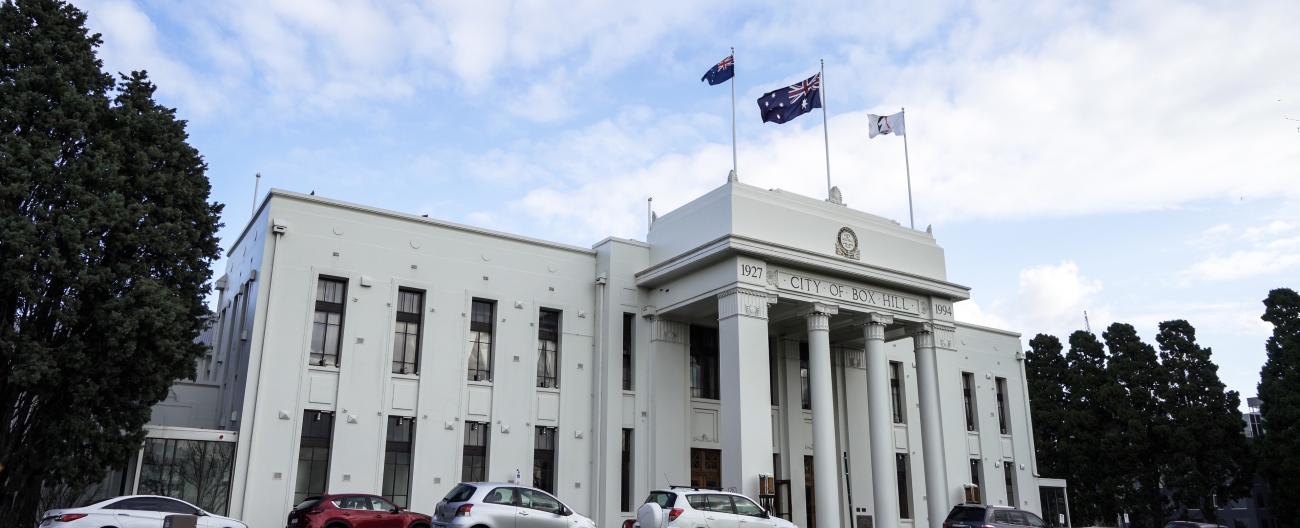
[(106, 243), (1279, 388), (1045, 369), (1143, 425), (1092, 431), (1208, 458)]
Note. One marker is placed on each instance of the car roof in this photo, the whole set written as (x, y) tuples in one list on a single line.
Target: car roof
[(108, 501), (692, 491)]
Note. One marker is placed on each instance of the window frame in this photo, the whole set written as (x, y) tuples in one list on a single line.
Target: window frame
[(1004, 421), (400, 321), (392, 448), (969, 402), (896, 392), (629, 352), (328, 307), (482, 459), (314, 442), (546, 457), (903, 479), (625, 469), (1009, 479), (705, 354), (476, 370), (551, 381)]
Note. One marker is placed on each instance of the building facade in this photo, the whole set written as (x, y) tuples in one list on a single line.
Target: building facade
[(786, 347)]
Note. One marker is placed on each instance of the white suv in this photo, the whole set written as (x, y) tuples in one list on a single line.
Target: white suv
[(684, 507)]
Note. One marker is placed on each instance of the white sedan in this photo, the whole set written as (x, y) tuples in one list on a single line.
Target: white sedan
[(133, 511)]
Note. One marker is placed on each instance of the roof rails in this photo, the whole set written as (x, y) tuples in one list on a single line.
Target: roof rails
[(696, 488)]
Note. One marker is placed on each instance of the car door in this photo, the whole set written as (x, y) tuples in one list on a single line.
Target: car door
[(387, 515), (500, 507), (537, 509), (355, 510), (748, 514), (720, 511)]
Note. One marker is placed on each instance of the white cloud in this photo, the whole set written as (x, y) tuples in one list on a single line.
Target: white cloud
[(1259, 251), (1053, 298), (970, 311)]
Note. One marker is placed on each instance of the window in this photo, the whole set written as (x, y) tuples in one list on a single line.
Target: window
[(544, 459), (460, 493), (378, 504), (1002, 405), (975, 469), (397, 460), (406, 334), (500, 496), (805, 389), (904, 486), (704, 362), (896, 391), (480, 340), (625, 474), (474, 461), (664, 499), (628, 326), (745, 506), (313, 455), (153, 504), (706, 468), (539, 501), (968, 395), (352, 503), (773, 386), (1009, 475), (327, 327), (197, 471), (548, 349)]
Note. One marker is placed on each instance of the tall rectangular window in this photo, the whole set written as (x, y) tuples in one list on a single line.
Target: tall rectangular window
[(976, 469), (474, 461), (773, 374), (327, 326), (704, 362), (896, 391), (1002, 405), (1009, 475), (904, 486), (406, 334), (544, 459), (480, 340), (548, 349), (805, 385), (629, 322), (313, 455), (968, 396), (625, 474), (397, 460)]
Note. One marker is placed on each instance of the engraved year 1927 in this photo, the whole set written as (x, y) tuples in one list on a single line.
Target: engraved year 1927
[(750, 270)]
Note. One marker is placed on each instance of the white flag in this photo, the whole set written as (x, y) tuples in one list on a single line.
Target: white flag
[(890, 124)]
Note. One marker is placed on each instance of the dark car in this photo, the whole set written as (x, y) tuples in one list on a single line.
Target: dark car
[(352, 510), (1190, 524), (980, 516)]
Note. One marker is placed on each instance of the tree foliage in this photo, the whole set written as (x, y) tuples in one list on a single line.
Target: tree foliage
[(1090, 421), (1141, 422), (106, 238), (1045, 369), (1279, 388)]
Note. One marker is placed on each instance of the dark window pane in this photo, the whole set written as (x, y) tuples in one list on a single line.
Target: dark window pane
[(195, 471), (896, 391), (474, 459), (397, 460), (1002, 405), (625, 473), (480, 339), (406, 333), (313, 455), (628, 321), (904, 486), (968, 396), (704, 362), (805, 390), (544, 459), (548, 349)]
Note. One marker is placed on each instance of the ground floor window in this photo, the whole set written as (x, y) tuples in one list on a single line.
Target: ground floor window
[(474, 462), (904, 486), (625, 474), (706, 468), (196, 471), (976, 469), (809, 491), (397, 460), (1009, 475), (544, 459), (313, 455)]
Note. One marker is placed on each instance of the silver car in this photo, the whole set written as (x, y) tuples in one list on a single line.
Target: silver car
[(504, 505)]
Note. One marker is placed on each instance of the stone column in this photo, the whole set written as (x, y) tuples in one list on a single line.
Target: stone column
[(670, 407), (825, 474), (746, 408), (855, 412), (927, 385), (880, 423)]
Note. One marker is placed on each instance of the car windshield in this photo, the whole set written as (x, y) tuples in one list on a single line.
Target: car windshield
[(310, 502), (965, 513), (663, 498), (460, 493)]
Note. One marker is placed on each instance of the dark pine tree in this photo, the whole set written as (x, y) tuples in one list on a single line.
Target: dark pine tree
[(1045, 369), (1279, 388), (1092, 432), (1208, 457), (106, 241), (1143, 425)]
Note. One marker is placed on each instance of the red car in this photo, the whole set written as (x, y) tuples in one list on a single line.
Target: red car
[(351, 510)]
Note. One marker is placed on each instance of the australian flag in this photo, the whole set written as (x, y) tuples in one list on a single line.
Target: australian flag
[(721, 72), (779, 106)]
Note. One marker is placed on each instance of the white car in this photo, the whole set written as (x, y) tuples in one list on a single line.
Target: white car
[(133, 511), (684, 507)]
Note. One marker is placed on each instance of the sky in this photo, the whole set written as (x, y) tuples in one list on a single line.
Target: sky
[(1137, 160)]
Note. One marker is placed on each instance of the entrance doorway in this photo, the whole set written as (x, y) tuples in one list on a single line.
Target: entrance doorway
[(809, 493), (706, 468)]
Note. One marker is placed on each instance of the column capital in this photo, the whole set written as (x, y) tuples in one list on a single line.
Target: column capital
[(668, 331), (922, 335), (740, 301), (874, 325)]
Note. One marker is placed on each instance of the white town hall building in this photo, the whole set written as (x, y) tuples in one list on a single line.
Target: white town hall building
[(790, 348)]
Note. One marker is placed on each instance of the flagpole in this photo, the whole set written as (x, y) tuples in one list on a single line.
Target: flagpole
[(907, 162), (821, 92), (733, 113)]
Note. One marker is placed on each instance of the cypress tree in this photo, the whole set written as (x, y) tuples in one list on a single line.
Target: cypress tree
[(1142, 424), (1279, 388), (1045, 369), (1092, 431), (1208, 458), (106, 242)]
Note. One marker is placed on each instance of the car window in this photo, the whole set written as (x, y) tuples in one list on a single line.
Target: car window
[(538, 500), (966, 514), (460, 493), (665, 499), (699, 502), (744, 506), (1018, 517), (352, 503), (501, 496), (379, 504), (153, 504), (720, 503), (309, 503), (138, 503), (175, 506), (1033, 520)]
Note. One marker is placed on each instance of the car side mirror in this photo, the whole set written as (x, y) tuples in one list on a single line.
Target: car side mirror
[(396, 509), (766, 515), (565, 511)]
